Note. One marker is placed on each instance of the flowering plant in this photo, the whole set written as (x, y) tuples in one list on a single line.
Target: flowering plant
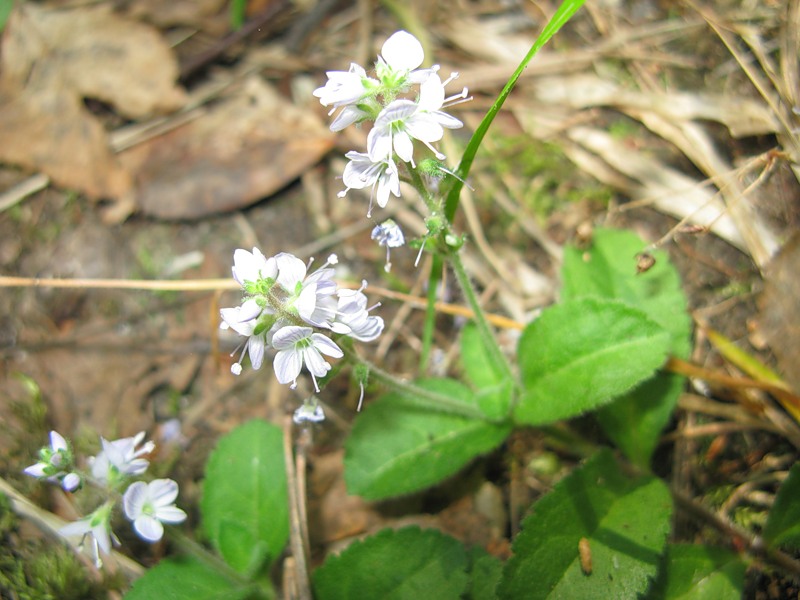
[(147, 505)]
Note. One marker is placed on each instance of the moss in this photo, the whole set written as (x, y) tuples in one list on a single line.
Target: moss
[(540, 176), (38, 569)]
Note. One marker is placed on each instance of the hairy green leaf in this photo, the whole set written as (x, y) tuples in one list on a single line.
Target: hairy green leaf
[(185, 579), (599, 534), (783, 523), (692, 572), (409, 564), (581, 354), (245, 503), (397, 448)]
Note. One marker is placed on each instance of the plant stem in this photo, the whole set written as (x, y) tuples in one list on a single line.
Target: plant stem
[(419, 396), (212, 561), (499, 362)]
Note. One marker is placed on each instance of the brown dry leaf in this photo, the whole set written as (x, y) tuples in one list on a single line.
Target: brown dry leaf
[(245, 148), (44, 129), (779, 307), (96, 54), (50, 61)]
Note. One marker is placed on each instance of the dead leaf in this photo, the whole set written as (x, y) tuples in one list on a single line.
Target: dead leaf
[(245, 148), (96, 54), (50, 61), (779, 310), (44, 129)]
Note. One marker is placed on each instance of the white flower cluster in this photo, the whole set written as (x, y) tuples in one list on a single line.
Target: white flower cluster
[(398, 120), (146, 505), (284, 307)]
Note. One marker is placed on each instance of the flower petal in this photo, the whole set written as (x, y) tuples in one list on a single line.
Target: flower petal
[(402, 51)]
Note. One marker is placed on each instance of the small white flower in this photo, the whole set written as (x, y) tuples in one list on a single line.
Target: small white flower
[(353, 318), (390, 235), (54, 464), (403, 120), (307, 295), (252, 266), (400, 55), (149, 505), (256, 342), (310, 412), (98, 527), (121, 458), (362, 172), (345, 87), (298, 346)]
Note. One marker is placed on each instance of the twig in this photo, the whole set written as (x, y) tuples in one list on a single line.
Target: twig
[(296, 541), (50, 524)]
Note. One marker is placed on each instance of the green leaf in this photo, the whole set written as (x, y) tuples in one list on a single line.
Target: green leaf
[(409, 564), (692, 572), (397, 448), (783, 523), (608, 270), (185, 579), (624, 520), (635, 420), (494, 390), (485, 574), (245, 502), (581, 354)]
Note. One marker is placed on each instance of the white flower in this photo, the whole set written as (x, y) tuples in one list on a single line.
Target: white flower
[(257, 332), (390, 235), (400, 55), (362, 172), (403, 120), (352, 316), (252, 266), (308, 295), (98, 526), (298, 346), (345, 87), (148, 505), (310, 412), (347, 116), (121, 458), (54, 464)]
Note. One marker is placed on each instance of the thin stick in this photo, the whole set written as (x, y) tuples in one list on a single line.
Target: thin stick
[(295, 524)]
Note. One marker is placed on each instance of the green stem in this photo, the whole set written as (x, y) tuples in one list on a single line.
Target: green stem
[(499, 362), (219, 566), (562, 15), (434, 277), (416, 395)]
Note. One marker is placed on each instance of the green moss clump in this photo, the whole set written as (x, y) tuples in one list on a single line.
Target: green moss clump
[(38, 569)]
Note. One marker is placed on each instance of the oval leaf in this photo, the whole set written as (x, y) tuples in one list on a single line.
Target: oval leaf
[(693, 572), (598, 534), (398, 565), (397, 448), (608, 270), (185, 579), (783, 523), (581, 354), (245, 502)]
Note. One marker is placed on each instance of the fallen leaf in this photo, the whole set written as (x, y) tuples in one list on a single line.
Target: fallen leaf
[(50, 61), (245, 148), (44, 129), (96, 54)]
